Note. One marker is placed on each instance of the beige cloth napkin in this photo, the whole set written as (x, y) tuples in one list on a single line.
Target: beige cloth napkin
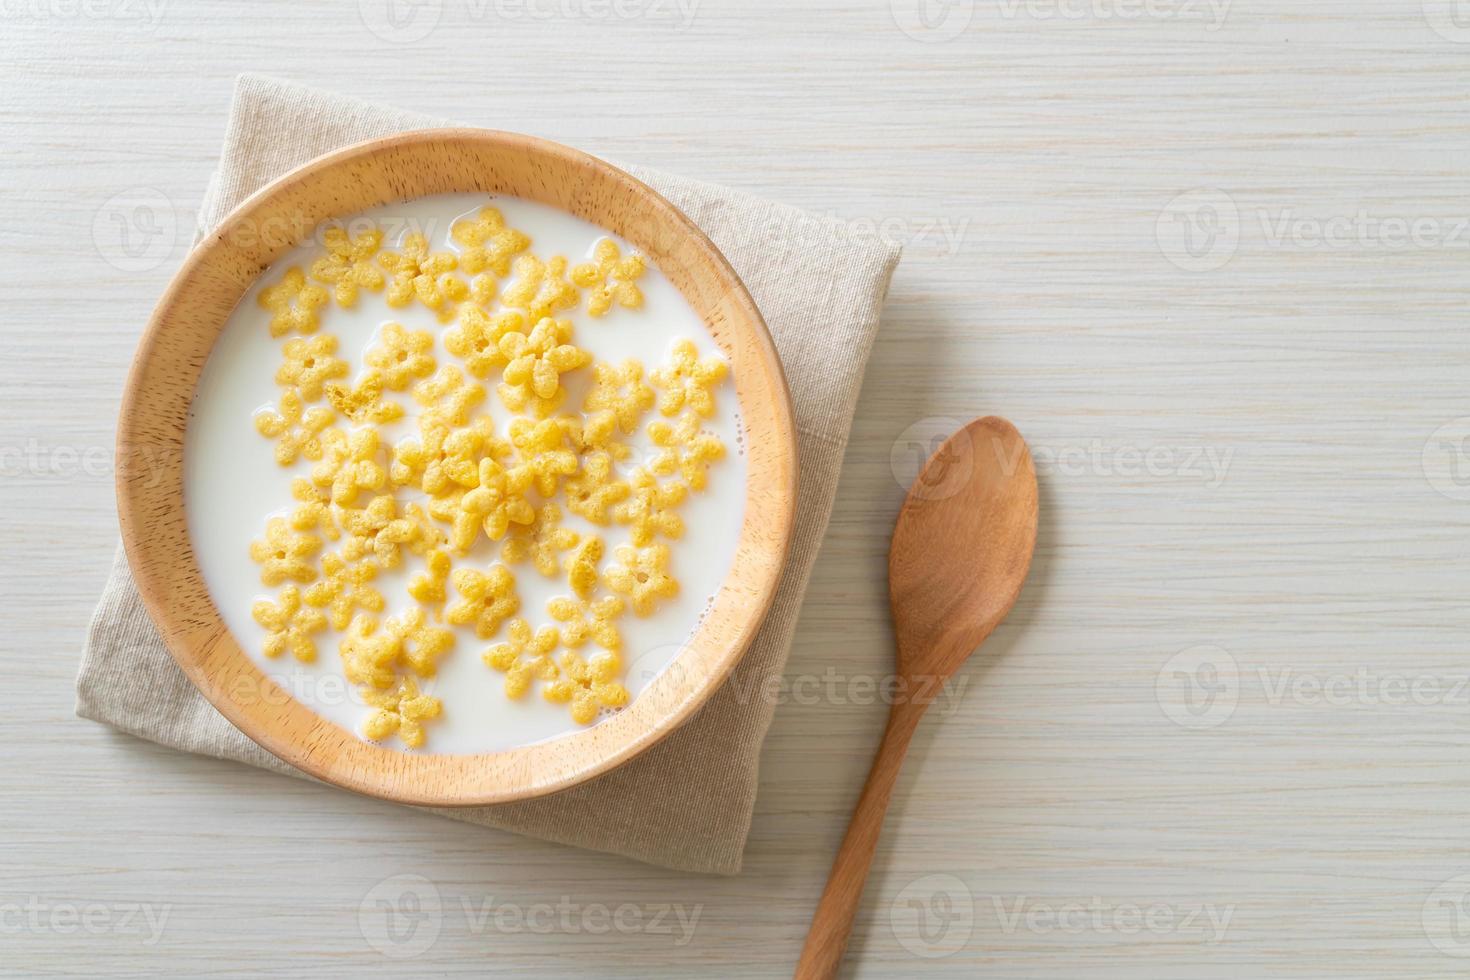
[(687, 802)]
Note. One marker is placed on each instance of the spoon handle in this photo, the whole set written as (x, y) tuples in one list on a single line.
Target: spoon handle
[(832, 922)]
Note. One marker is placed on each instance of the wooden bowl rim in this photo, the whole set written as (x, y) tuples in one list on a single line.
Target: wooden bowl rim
[(181, 638)]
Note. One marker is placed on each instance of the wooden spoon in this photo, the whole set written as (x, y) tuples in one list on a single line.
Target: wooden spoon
[(961, 548)]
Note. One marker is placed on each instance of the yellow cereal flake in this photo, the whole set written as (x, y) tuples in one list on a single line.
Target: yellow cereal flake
[(582, 566), (588, 685), (428, 586), (540, 288), (650, 510), (498, 501), (348, 264), (345, 587), (593, 491), (620, 391), (686, 450), (402, 712), (475, 338), (350, 465), (289, 625), (610, 278), (535, 364), (298, 429), (310, 362), (313, 511), (369, 655), (544, 451), (402, 356), (294, 304), (542, 541), (641, 574), (525, 655), (364, 402), (489, 243), (582, 620), (688, 380), (285, 554), (377, 530), (423, 275), (448, 397), (420, 645), (486, 600), (595, 433)]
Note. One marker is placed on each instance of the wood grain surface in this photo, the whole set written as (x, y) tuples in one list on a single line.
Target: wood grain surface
[(1210, 259)]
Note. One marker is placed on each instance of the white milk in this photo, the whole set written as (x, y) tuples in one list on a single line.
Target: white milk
[(232, 483)]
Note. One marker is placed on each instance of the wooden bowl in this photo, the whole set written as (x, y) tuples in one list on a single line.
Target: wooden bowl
[(191, 315)]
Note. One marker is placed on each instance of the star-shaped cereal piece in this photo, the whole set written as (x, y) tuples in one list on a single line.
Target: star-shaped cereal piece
[(402, 712), (621, 391), (297, 429), (285, 554), (542, 541), (544, 450), (535, 364), (350, 465), (650, 510), (348, 265), (582, 566), (427, 536), (582, 620), (610, 278), (377, 530), (498, 502), (425, 276), (588, 685), (313, 511), (345, 587), (402, 356), (364, 402), (525, 655), (596, 432), (294, 304), (428, 586), (421, 645), (685, 450), (486, 600), (688, 379), (595, 489), (310, 362), (489, 243), (289, 625), (369, 655), (642, 575), (447, 397), (475, 338), (540, 288)]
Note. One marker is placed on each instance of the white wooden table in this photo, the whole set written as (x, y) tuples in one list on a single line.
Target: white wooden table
[(1212, 261)]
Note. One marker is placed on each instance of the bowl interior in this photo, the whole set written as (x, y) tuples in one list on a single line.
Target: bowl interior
[(193, 312)]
